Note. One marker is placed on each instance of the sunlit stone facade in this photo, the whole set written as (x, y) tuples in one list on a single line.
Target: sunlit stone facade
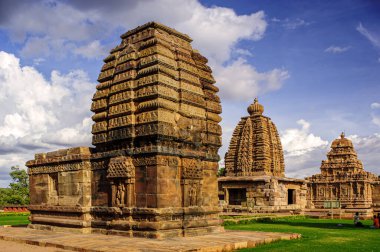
[(255, 171)]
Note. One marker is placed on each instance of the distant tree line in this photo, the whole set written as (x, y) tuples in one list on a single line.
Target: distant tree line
[(18, 191)]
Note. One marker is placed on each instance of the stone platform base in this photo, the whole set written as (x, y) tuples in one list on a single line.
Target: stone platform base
[(161, 234), (347, 213), (291, 209), (226, 241)]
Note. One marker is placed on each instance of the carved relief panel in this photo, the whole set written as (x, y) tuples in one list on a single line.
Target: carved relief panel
[(191, 182), (121, 173)]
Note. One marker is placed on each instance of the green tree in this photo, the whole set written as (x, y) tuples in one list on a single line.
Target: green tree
[(221, 171), (4, 196), (18, 191)]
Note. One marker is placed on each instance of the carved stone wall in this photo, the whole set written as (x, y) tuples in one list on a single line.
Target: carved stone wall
[(255, 170), (60, 188), (343, 179), (255, 147), (264, 194), (156, 134)]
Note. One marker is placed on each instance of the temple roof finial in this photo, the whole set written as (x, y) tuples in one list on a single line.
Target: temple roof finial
[(342, 135), (255, 108)]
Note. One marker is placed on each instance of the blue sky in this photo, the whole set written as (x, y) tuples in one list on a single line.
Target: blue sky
[(315, 66)]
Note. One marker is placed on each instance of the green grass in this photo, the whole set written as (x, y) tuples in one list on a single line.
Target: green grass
[(14, 219), (317, 235), (250, 216)]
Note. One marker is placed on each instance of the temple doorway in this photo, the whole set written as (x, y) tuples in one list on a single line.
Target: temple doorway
[(237, 196), (291, 196)]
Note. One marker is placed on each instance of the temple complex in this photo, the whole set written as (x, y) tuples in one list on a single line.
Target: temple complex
[(343, 180), (255, 171), (156, 134)]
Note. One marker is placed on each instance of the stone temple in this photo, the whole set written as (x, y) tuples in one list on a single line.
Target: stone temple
[(255, 171), (343, 179), (156, 134)]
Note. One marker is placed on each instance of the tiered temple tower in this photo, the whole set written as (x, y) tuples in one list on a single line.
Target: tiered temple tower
[(343, 179), (255, 169), (255, 147), (341, 159), (156, 134)]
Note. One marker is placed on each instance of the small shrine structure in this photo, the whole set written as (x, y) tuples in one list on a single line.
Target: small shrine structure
[(344, 180), (254, 177)]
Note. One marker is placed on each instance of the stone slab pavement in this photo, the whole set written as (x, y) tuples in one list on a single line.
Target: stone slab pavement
[(225, 241), (9, 246)]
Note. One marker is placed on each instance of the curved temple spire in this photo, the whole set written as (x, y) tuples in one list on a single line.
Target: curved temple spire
[(255, 147)]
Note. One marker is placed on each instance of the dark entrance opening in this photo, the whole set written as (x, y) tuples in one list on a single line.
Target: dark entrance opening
[(237, 196), (291, 196), (221, 196)]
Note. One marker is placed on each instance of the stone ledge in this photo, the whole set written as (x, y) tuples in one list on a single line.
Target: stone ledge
[(226, 241)]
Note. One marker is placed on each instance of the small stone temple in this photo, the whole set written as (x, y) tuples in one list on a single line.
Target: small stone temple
[(255, 171), (343, 179), (156, 132)]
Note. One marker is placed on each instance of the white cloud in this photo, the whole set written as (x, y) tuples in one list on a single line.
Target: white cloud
[(303, 151), (27, 96), (305, 165), (297, 142), (91, 50), (38, 61), (248, 83), (45, 31), (243, 52), (39, 114), (37, 47), (291, 24), (375, 105), (376, 120), (71, 136), (372, 37), (215, 30), (337, 49), (46, 25), (52, 18), (368, 149)]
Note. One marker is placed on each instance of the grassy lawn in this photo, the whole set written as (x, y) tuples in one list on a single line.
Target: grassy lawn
[(13, 219), (317, 235)]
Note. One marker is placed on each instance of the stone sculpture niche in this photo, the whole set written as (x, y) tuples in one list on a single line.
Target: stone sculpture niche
[(121, 174)]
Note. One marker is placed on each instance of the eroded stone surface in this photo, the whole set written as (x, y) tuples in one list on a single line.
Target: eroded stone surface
[(156, 134), (255, 171)]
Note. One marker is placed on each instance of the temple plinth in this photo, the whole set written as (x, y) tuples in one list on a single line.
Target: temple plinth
[(156, 134), (255, 171)]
